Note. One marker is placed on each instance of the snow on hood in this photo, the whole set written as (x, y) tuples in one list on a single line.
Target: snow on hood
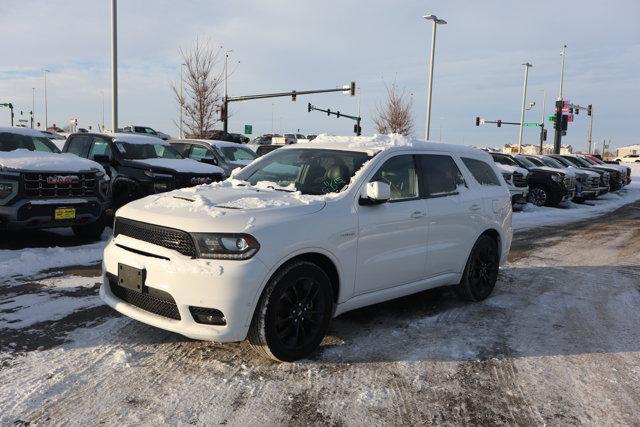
[(512, 169), (232, 205), (46, 162), (182, 165)]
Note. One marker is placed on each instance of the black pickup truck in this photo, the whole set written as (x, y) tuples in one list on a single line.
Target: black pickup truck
[(43, 188), (140, 165)]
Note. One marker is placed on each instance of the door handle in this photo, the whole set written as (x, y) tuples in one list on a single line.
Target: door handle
[(418, 214), (475, 208)]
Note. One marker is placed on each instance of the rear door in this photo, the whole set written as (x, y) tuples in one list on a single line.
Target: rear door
[(454, 211)]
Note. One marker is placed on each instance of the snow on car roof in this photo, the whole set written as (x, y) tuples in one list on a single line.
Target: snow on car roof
[(132, 138), (24, 131), (376, 143)]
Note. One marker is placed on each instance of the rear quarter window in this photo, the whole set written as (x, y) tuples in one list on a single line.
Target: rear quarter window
[(481, 171)]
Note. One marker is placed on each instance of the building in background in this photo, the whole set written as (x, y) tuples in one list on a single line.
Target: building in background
[(629, 149)]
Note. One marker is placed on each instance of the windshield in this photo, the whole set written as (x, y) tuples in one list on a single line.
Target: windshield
[(562, 161), (504, 160), (147, 151), (233, 154), (310, 171), (552, 163), (14, 141), (525, 162)]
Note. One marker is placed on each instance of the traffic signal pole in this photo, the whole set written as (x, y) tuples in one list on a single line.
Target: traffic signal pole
[(356, 128), (557, 140), (293, 94)]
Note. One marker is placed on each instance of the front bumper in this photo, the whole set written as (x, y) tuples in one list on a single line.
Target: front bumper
[(35, 213), (233, 287), (519, 196)]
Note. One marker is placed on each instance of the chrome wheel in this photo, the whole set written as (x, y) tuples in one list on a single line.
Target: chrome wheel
[(538, 196)]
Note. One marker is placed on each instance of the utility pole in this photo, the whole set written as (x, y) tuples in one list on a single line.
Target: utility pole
[(590, 113), (225, 104), (436, 21), (46, 107), (114, 65), (562, 54), (102, 93), (524, 101)]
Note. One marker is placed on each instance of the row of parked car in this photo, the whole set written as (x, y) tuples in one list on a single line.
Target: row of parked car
[(78, 186), (548, 180)]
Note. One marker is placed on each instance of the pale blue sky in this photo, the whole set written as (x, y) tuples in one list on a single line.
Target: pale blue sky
[(303, 44)]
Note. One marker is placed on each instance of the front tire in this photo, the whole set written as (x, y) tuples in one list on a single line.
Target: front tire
[(293, 314), (481, 272)]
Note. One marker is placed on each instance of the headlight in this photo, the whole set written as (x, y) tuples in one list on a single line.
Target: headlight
[(556, 178), (152, 174), (226, 246), (160, 187), (6, 188)]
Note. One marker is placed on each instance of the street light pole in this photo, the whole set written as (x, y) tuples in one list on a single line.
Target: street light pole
[(33, 105), (544, 101), (436, 21), (225, 125), (114, 65), (46, 107), (562, 54), (591, 130), (524, 101)]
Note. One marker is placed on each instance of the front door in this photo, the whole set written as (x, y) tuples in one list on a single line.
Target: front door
[(392, 237)]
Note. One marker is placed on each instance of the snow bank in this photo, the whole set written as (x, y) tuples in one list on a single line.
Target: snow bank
[(41, 161), (533, 216), (375, 142), (33, 260), (183, 165)]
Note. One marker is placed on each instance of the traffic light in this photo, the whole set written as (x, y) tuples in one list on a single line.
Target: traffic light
[(589, 110), (352, 89), (357, 129), (477, 121), (293, 95), (570, 110), (309, 107), (338, 114), (565, 122), (544, 135), (499, 123), (577, 111), (328, 112)]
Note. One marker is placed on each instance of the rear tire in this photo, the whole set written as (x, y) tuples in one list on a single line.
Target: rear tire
[(293, 314), (481, 272)]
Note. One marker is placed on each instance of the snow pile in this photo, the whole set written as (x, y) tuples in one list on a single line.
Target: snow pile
[(29, 261), (511, 169), (376, 142), (254, 203), (42, 161)]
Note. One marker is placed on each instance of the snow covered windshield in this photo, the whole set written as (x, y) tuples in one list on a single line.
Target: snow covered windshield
[(309, 171), (14, 141), (139, 151), (233, 154)]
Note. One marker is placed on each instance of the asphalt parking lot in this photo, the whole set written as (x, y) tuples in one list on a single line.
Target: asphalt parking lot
[(557, 343)]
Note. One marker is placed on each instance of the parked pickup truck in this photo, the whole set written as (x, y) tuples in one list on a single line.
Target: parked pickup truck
[(289, 138), (43, 188), (516, 178), (140, 165)]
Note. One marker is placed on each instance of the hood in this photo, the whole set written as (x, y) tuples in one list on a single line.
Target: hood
[(39, 161), (562, 171), (512, 169), (221, 207), (181, 165)]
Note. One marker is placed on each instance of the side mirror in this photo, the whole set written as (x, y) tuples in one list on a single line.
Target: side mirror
[(101, 158), (378, 192), (235, 172), (209, 160)]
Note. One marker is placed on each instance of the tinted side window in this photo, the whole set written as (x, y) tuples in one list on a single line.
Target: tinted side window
[(400, 173), (199, 153), (100, 147), (440, 175), (481, 171), (79, 145)]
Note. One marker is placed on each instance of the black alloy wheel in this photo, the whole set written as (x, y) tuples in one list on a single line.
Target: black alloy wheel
[(481, 272)]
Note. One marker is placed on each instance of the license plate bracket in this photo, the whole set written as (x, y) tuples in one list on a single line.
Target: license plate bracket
[(131, 278)]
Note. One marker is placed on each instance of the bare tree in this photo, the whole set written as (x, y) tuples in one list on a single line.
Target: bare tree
[(394, 116), (202, 97)]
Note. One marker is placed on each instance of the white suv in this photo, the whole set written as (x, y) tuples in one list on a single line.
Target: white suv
[(306, 233)]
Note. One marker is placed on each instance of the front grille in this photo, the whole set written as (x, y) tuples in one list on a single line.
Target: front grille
[(170, 238), (58, 185), (592, 182), (519, 180), (161, 303), (604, 178), (569, 182), (190, 180)]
